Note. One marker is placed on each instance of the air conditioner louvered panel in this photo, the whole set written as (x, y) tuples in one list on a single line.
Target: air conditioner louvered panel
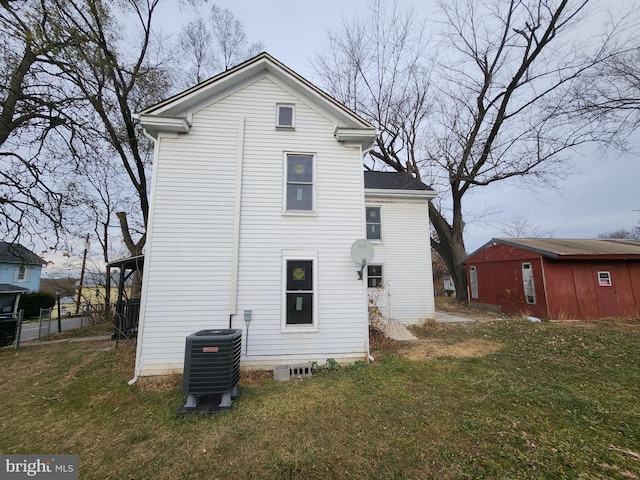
[(212, 361)]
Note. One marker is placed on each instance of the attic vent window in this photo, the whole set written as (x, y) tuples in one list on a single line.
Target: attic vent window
[(285, 116)]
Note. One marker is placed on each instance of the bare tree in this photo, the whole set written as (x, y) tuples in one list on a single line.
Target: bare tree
[(32, 112), (494, 107), (521, 227), (115, 76), (196, 42), (215, 44), (622, 234)]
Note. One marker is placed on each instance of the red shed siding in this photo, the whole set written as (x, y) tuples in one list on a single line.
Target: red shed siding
[(499, 270), (564, 288)]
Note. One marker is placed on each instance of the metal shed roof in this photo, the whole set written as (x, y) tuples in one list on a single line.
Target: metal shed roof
[(561, 247)]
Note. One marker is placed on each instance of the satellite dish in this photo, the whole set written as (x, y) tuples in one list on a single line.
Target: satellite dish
[(362, 252)]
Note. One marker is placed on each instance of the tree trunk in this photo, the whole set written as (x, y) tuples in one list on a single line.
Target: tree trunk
[(450, 246)]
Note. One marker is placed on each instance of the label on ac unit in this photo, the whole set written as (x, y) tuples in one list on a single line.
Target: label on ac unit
[(209, 349)]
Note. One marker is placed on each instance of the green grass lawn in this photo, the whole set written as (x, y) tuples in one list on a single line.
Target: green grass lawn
[(550, 400)]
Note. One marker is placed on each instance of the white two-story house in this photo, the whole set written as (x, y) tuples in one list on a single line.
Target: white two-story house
[(258, 194)]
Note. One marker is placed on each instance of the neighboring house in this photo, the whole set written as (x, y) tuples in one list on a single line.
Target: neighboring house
[(557, 278), (20, 271), (257, 196)]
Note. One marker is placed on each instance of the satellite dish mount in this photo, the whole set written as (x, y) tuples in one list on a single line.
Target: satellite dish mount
[(362, 254)]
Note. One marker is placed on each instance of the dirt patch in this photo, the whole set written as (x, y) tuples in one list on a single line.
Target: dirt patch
[(427, 349)]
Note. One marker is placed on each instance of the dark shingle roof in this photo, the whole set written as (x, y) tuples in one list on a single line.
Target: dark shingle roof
[(8, 288), (393, 181), (16, 253)]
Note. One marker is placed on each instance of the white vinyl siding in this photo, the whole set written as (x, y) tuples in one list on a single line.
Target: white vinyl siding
[(188, 264), (407, 294)]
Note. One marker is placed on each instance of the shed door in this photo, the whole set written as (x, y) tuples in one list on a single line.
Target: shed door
[(608, 305)]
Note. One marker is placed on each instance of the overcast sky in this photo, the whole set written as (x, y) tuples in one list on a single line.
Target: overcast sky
[(600, 196)]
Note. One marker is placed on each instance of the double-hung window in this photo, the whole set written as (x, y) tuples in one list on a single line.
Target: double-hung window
[(299, 188), (374, 223), (374, 276), (22, 274), (300, 291)]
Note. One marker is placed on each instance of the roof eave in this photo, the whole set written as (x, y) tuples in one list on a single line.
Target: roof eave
[(393, 194), (362, 136), (154, 124)]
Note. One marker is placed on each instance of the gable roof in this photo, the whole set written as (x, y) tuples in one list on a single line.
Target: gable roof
[(174, 114), (566, 248), (16, 253)]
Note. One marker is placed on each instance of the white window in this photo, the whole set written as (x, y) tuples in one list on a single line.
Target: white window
[(300, 178), (22, 274), (473, 278), (285, 116), (374, 276), (300, 296), (374, 223), (604, 279), (527, 281)]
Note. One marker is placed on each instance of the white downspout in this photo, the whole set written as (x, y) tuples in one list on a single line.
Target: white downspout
[(145, 275), (235, 254)]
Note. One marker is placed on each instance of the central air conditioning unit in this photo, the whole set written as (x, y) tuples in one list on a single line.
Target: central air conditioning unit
[(212, 366)]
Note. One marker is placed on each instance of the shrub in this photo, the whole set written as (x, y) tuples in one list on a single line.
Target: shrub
[(31, 303)]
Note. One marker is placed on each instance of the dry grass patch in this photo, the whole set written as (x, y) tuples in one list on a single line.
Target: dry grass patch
[(429, 349)]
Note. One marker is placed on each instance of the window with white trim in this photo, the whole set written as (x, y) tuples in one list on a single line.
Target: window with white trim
[(527, 282), (22, 274), (604, 279), (374, 276), (473, 280), (285, 116), (374, 223), (299, 188), (300, 294)]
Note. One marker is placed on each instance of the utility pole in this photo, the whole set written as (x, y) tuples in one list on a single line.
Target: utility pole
[(84, 263)]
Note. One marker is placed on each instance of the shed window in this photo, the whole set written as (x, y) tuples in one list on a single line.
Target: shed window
[(299, 182), (374, 224), (473, 280), (527, 281), (374, 276), (604, 279), (284, 116)]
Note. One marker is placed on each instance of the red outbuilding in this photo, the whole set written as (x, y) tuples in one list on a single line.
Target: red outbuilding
[(557, 278)]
